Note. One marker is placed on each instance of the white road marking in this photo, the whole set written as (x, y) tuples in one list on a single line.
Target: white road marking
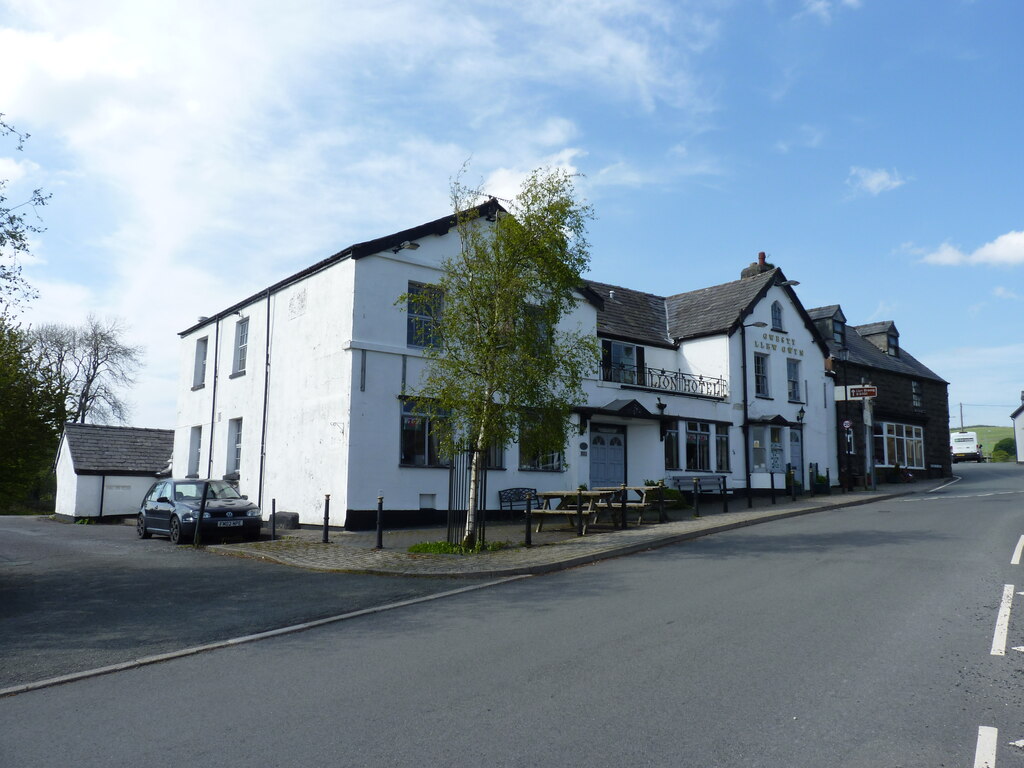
[(956, 479), (985, 753), (1018, 743), (1002, 622), (1015, 560)]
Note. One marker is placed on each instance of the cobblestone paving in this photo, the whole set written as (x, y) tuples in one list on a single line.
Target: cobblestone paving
[(555, 548)]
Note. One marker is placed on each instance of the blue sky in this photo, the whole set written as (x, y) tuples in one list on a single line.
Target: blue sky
[(198, 152)]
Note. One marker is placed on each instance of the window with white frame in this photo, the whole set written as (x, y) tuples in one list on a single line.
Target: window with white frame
[(420, 439), (722, 447), (777, 316), (793, 380), (195, 444), (761, 375), (234, 462), (901, 444), (199, 370), (672, 446), (241, 347), (917, 395), (698, 446), (424, 313), (622, 362)]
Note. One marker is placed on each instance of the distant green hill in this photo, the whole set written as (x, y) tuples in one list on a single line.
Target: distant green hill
[(987, 436)]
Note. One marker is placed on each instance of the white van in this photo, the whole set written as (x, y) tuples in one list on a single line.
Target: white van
[(965, 447)]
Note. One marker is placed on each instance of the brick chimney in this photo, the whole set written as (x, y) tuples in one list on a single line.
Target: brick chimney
[(757, 267)]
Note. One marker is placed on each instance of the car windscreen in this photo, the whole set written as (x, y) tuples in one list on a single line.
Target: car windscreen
[(215, 489)]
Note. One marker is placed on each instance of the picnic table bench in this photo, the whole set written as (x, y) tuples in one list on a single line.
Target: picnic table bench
[(704, 485), (567, 503), (648, 498)]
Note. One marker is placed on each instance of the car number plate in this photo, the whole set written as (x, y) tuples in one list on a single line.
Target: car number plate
[(228, 523)]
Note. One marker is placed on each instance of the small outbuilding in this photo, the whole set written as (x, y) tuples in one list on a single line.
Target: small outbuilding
[(105, 471)]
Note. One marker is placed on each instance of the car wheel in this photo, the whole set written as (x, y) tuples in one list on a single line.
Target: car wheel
[(140, 527), (176, 531)]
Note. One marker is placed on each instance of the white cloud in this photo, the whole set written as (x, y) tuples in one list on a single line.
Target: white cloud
[(873, 181), (806, 136), (883, 311), (1001, 292), (1006, 250), (824, 9), (240, 141)]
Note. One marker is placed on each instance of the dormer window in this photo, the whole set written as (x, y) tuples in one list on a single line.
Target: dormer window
[(777, 316), (839, 332), (893, 344)]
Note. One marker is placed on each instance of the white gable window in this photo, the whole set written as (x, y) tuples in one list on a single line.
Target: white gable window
[(234, 445), (777, 316), (241, 347), (199, 370)]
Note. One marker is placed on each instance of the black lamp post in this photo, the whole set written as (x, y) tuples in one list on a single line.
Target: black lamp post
[(746, 414)]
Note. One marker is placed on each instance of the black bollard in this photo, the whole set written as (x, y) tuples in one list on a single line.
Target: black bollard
[(696, 497), (273, 519), (380, 522), (327, 515), (771, 482), (579, 513), (529, 520), (623, 491), (661, 504), (725, 495)]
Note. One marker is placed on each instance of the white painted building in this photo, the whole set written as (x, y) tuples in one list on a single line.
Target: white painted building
[(299, 389), (1017, 417), (105, 471)]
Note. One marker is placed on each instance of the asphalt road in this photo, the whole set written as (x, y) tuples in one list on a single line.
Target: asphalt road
[(857, 637), (78, 597)]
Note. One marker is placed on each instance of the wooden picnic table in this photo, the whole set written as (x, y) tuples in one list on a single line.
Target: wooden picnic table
[(565, 503), (648, 497)]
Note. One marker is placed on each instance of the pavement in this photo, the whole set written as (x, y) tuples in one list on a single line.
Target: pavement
[(555, 548)]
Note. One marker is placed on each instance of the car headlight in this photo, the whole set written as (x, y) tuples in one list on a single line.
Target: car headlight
[(254, 512), (187, 518)]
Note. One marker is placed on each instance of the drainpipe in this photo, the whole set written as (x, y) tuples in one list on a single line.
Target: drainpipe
[(213, 398), (103, 484), (746, 414), (266, 395)]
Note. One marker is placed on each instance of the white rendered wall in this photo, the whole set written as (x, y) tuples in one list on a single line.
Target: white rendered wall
[(1018, 435), (67, 482)]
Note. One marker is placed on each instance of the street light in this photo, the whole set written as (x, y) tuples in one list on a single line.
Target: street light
[(746, 415)]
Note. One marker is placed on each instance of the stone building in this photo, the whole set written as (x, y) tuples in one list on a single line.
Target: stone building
[(909, 427)]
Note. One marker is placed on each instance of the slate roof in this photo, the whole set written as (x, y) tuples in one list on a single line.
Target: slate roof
[(862, 352), (632, 315), (664, 321), (718, 308), (97, 449)]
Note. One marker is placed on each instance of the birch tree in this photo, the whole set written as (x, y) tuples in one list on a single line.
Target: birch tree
[(499, 367)]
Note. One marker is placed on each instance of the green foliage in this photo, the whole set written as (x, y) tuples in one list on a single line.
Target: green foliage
[(445, 548), (31, 418), (15, 230), (1007, 446), (500, 369), (998, 455)]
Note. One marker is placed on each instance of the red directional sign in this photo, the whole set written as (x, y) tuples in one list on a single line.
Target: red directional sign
[(863, 392)]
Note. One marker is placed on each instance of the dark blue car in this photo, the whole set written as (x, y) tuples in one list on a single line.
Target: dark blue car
[(171, 507)]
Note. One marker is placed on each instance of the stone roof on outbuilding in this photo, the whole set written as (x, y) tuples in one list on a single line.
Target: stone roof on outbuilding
[(97, 449)]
